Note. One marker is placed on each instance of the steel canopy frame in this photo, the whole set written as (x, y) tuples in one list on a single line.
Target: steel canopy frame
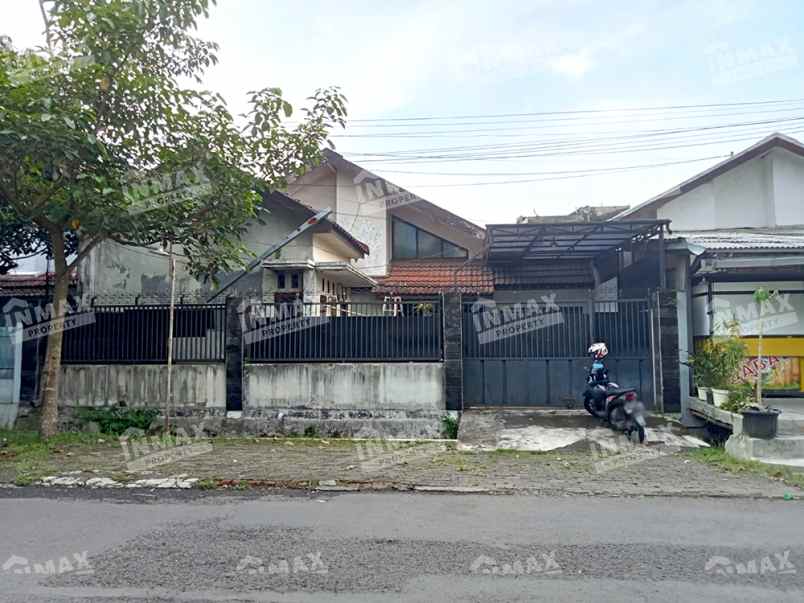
[(564, 240)]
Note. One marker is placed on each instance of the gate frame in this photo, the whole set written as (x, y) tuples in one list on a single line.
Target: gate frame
[(652, 306)]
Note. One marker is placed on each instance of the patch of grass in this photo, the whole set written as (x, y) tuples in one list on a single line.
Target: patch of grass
[(206, 484), (24, 479), (117, 420), (28, 456), (718, 457)]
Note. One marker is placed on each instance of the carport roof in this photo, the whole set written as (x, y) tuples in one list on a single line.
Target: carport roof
[(565, 240)]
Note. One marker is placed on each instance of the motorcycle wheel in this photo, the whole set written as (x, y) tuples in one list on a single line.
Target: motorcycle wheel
[(640, 431), (617, 417)]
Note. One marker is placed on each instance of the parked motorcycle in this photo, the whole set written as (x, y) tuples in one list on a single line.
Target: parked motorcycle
[(606, 400)]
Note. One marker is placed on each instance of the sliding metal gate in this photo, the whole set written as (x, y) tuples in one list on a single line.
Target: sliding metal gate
[(534, 353)]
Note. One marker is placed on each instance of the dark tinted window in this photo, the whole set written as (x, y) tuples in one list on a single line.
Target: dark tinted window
[(429, 246), (412, 242), (404, 240), (453, 251)]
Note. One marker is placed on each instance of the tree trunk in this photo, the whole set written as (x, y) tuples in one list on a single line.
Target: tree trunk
[(49, 425)]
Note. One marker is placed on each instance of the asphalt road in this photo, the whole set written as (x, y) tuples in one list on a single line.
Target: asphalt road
[(190, 546)]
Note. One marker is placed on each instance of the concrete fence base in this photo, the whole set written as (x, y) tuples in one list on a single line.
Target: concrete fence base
[(202, 386)]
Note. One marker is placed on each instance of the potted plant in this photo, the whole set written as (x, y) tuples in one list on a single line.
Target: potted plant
[(741, 395), (702, 364), (728, 356), (760, 420)]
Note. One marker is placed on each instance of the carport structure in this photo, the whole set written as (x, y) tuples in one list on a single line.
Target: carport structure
[(558, 288)]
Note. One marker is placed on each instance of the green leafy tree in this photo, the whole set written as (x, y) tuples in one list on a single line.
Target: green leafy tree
[(106, 134)]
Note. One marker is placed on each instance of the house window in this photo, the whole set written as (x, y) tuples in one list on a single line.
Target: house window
[(288, 281), (409, 242)]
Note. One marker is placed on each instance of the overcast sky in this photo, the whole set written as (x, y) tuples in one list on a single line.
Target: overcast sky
[(545, 59)]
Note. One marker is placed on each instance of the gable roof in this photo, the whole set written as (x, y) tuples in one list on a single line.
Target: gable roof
[(282, 200), (336, 160), (760, 148)]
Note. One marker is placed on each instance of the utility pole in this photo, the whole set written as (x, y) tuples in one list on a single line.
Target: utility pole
[(171, 315)]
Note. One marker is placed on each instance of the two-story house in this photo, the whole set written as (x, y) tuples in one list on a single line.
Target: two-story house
[(418, 249)]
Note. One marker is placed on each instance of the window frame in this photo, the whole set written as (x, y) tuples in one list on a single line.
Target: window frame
[(418, 256)]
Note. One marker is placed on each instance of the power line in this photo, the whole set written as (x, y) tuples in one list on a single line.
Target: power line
[(411, 132), (535, 151), (561, 175), (579, 111), (590, 140)]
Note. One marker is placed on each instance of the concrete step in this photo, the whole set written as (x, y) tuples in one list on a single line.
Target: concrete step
[(791, 425), (782, 450)]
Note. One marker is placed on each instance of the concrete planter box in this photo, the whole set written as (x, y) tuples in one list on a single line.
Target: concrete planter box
[(702, 393), (720, 396), (716, 415)]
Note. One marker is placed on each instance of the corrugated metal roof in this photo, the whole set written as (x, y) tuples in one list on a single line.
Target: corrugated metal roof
[(744, 238)]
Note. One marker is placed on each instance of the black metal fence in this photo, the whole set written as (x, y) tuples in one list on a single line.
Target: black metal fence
[(342, 332), (534, 353), (135, 334), (556, 330)]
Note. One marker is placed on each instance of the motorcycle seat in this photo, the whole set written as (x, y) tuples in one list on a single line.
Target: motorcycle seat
[(620, 391)]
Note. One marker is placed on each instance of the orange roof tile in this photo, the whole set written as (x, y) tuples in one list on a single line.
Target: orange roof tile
[(423, 277)]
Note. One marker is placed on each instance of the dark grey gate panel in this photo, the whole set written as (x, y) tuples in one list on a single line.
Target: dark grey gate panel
[(539, 360)]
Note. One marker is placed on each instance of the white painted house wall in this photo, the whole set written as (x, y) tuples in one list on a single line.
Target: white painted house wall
[(767, 191), (788, 186), (362, 217)]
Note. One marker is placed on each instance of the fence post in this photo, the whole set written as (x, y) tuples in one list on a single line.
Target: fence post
[(453, 350), (233, 354), (667, 332)]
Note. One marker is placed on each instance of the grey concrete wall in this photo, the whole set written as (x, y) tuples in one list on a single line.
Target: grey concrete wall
[(113, 269), (194, 385), (403, 386)]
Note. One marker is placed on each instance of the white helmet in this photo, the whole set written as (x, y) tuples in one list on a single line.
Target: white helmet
[(599, 350)]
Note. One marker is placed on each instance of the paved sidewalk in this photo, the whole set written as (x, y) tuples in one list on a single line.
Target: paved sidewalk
[(346, 464)]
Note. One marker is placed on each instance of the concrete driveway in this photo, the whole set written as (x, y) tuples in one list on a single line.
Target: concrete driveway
[(541, 430)]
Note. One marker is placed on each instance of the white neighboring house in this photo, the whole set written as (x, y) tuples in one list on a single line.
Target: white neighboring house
[(738, 226)]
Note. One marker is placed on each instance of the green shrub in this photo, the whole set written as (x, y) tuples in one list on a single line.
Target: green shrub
[(740, 396), (117, 420), (716, 362), (449, 427)]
